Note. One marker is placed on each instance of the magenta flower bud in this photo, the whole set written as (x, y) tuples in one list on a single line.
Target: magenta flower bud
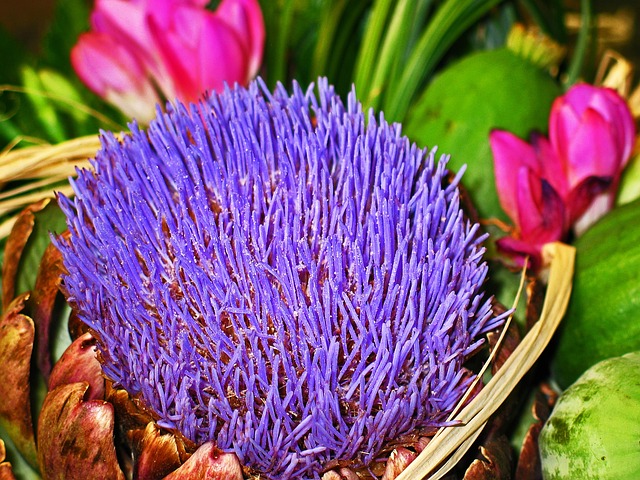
[(550, 186), (115, 73), (593, 134), (203, 50), (530, 184), (245, 18), (141, 52), (592, 131)]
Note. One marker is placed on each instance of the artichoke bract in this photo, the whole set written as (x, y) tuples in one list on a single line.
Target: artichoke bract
[(281, 275)]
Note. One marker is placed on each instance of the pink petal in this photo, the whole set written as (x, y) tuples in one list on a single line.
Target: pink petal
[(580, 96), (200, 52), (575, 111), (550, 167), (583, 196), (177, 56), (114, 73), (245, 18), (127, 23), (622, 123), (541, 212), (563, 121), (541, 221), (226, 64), (122, 20), (519, 250), (102, 63), (592, 150), (510, 154), (598, 207)]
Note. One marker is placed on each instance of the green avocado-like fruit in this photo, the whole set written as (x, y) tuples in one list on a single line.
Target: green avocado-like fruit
[(603, 316), (594, 429), (482, 91)]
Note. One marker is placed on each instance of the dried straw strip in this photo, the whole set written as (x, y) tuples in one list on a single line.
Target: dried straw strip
[(38, 161), (454, 441), (22, 201), (48, 182), (44, 169)]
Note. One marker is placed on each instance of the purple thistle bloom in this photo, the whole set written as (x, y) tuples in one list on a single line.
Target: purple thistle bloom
[(275, 273)]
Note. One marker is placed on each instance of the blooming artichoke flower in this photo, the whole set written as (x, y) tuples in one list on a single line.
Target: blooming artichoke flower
[(281, 275), (140, 51), (554, 185)]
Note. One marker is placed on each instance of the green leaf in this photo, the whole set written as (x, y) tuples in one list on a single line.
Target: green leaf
[(21, 468), (469, 98), (60, 338), (602, 320), (50, 219), (70, 19), (584, 43), (330, 17), (367, 56), (8, 129), (449, 22), (392, 49), (60, 87), (337, 42), (13, 55), (46, 111), (278, 18), (630, 182)]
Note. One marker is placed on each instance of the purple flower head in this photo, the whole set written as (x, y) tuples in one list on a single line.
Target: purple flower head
[(274, 273)]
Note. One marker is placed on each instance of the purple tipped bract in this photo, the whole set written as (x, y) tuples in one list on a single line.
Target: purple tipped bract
[(279, 274)]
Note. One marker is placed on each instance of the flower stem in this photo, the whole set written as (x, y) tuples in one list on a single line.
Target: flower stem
[(584, 35)]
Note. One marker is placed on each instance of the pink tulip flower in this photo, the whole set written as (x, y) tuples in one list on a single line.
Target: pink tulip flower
[(530, 186), (142, 52), (593, 133), (551, 187), (127, 86)]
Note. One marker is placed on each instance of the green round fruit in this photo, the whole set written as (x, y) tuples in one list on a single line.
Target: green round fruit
[(484, 90), (603, 316), (594, 429)]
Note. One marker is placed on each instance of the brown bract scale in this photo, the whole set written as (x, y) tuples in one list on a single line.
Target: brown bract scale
[(6, 473), (494, 462), (509, 343), (529, 466), (211, 463), (46, 293), (15, 245), (75, 436), (155, 454), (16, 345), (79, 364), (399, 459), (341, 474)]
